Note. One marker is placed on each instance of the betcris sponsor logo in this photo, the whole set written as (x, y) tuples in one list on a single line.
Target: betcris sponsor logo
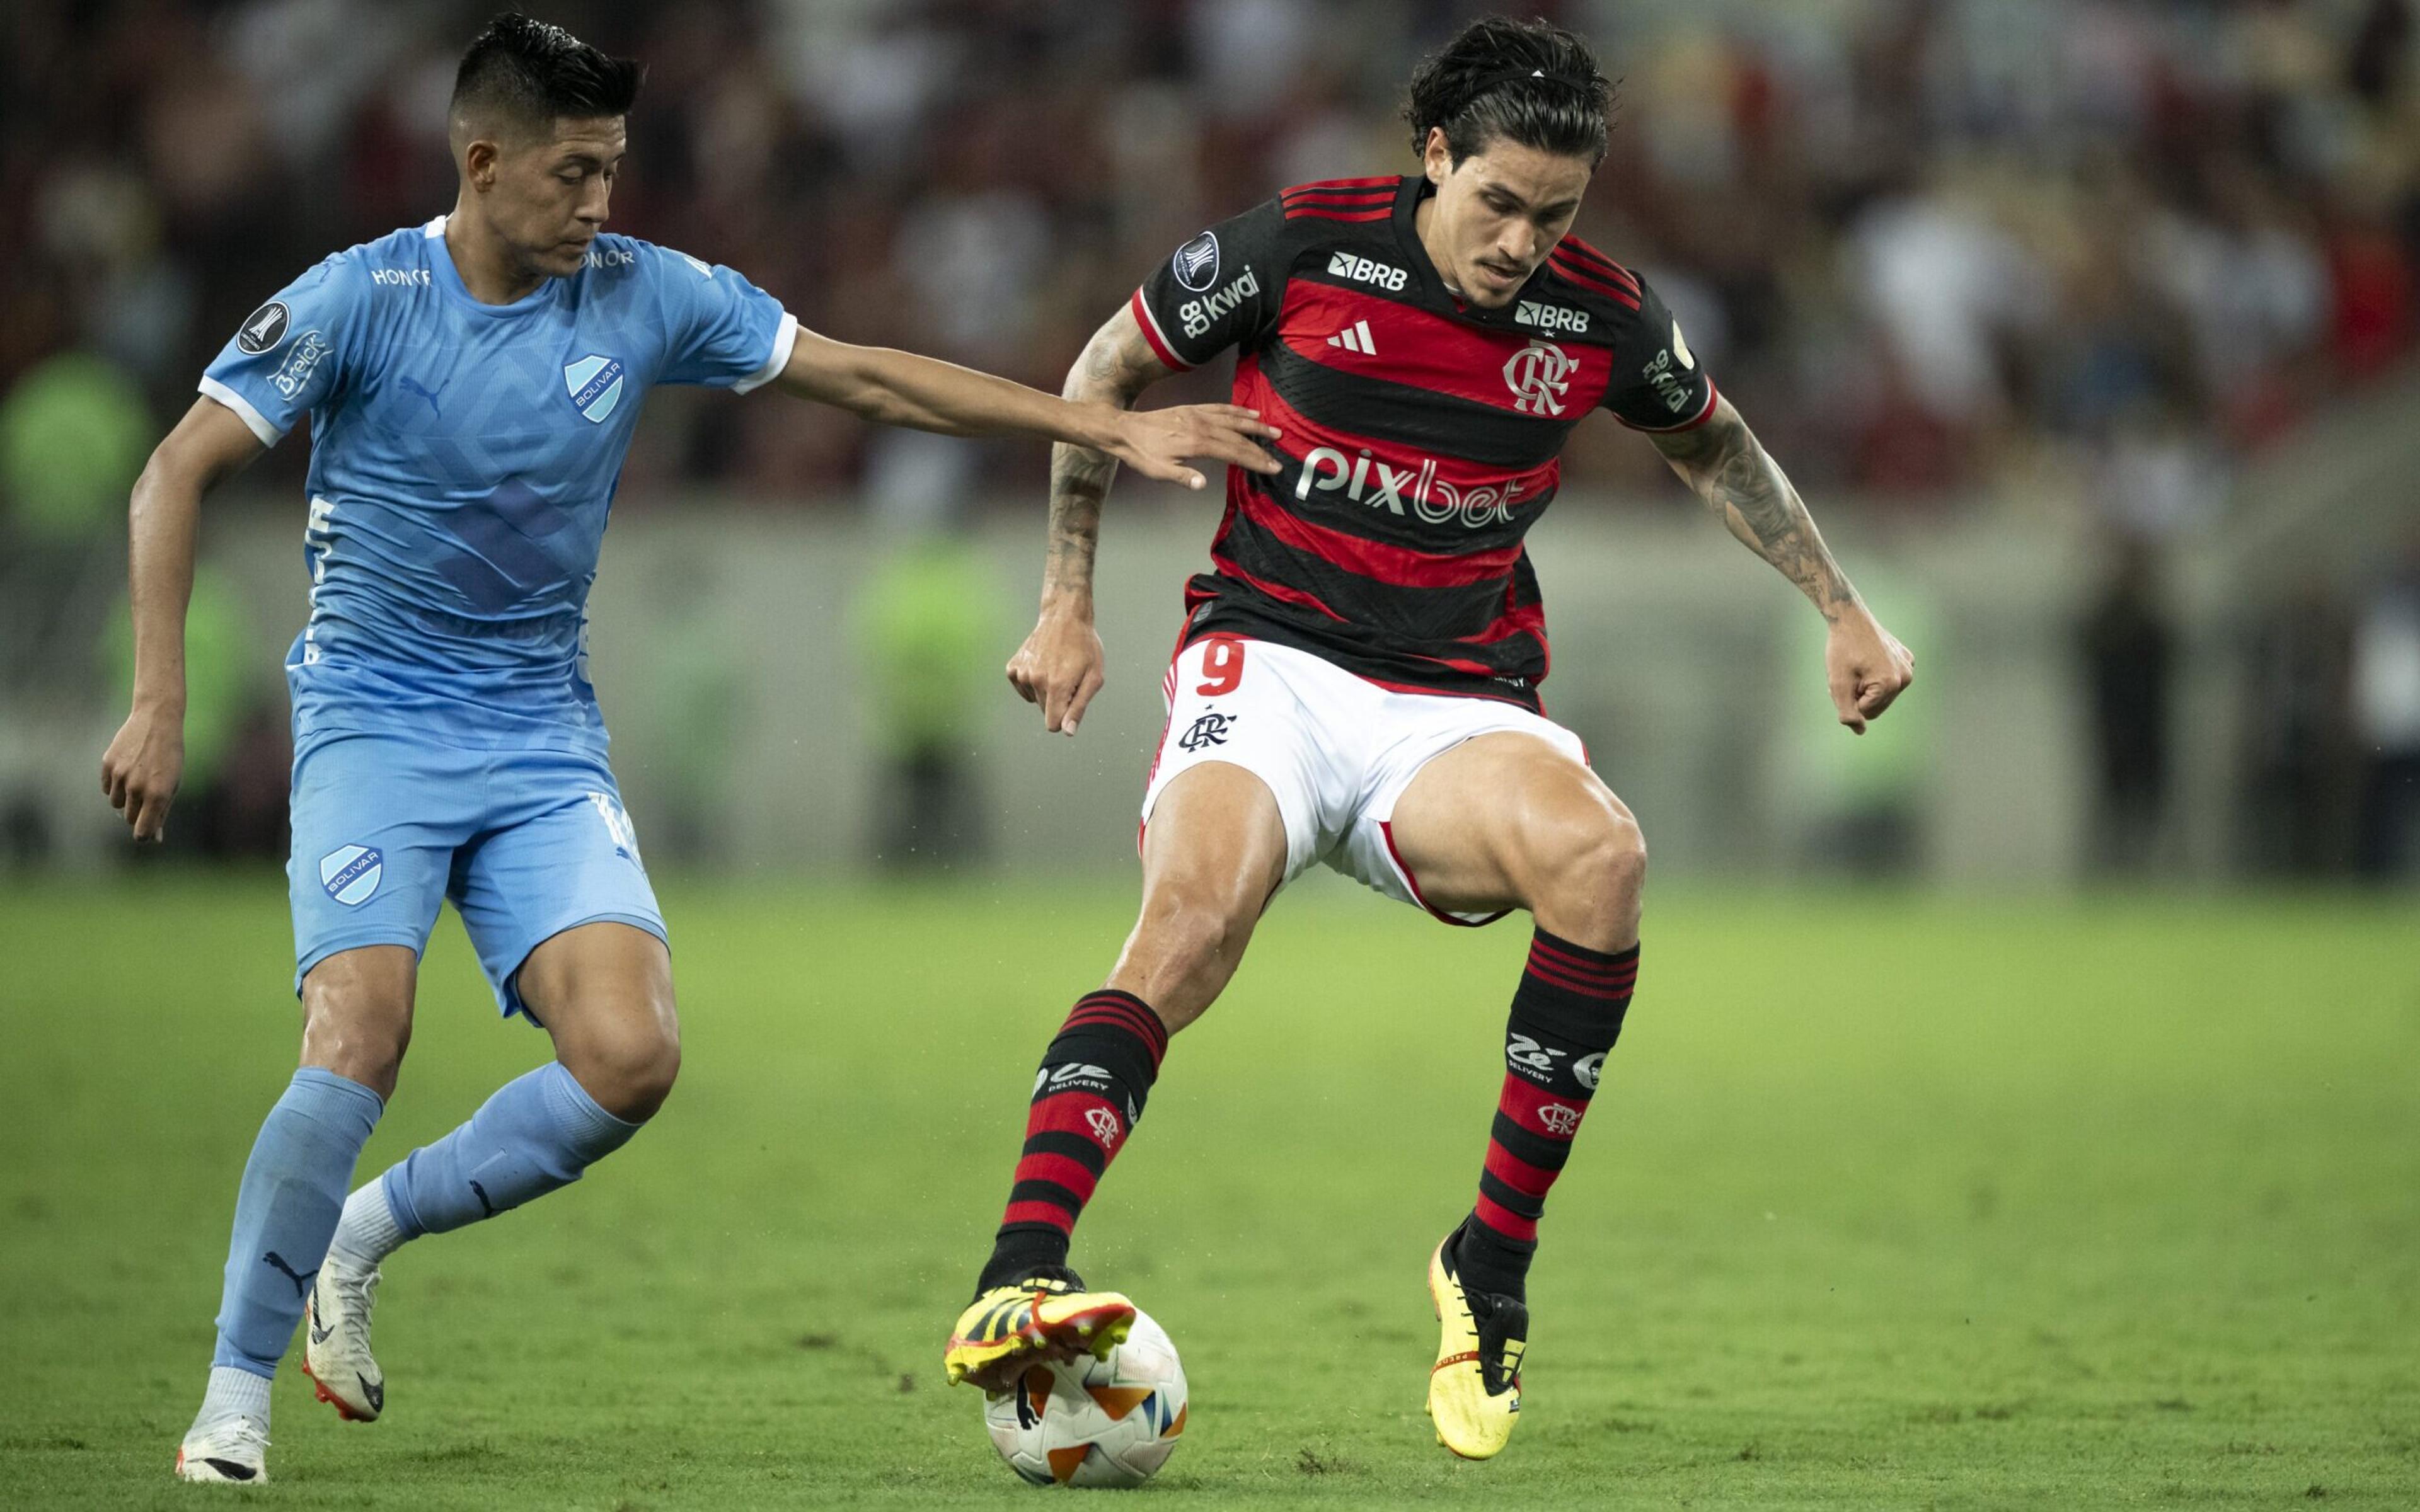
[(1418, 492), (1551, 317), (1362, 270), (1197, 315), (308, 348)]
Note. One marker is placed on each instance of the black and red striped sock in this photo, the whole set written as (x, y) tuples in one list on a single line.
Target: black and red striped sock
[(1086, 1098), (1566, 1016)]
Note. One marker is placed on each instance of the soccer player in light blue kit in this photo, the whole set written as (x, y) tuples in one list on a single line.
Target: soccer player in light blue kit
[(473, 384)]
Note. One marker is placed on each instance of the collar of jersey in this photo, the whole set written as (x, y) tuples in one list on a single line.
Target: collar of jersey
[(449, 278), (1416, 187)]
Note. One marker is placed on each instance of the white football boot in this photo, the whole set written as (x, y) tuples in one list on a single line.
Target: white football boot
[(337, 1348), (233, 1451)]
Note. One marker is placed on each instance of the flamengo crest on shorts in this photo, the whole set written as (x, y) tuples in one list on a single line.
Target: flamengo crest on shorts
[(351, 873), (595, 384)]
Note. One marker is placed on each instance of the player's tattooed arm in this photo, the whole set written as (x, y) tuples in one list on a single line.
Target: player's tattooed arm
[(1116, 367), (1726, 466), (1061, 664), (144, 763)]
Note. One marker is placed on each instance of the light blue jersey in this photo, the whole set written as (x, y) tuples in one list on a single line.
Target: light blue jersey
[(463, 459)]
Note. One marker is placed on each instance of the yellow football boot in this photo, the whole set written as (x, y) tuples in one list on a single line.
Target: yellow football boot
[(1475, 1390), (1045, 1316)]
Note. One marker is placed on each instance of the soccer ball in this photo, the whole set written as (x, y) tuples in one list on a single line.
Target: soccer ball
[(1090, 1421)]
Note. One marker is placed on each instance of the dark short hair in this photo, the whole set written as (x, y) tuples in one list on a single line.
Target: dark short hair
[(530, 74), (1529, 81)]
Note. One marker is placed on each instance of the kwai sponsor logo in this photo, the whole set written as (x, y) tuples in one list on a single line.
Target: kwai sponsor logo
[(1197, 315)]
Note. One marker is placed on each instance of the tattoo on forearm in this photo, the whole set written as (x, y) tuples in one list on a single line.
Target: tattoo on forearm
[(1115, 367), (1729, 469)]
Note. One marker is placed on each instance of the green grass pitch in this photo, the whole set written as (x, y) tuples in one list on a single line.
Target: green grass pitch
[(1887, 1203)]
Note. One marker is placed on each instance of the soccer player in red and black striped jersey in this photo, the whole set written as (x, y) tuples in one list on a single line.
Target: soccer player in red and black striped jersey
[(1357, 680)]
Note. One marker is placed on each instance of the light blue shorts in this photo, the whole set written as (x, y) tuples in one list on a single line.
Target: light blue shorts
[(524, 843)]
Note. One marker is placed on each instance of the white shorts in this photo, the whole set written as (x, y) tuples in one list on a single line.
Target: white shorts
[(1337, 751)]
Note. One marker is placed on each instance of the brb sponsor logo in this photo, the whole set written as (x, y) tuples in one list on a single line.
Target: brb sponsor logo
[(1551, 317), (1197, 315), (308, 348), (1362, 270), (351, 872), (1415, 491), (1538, 376)]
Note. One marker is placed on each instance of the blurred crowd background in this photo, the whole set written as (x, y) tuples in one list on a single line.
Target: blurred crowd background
[(2067, 269)]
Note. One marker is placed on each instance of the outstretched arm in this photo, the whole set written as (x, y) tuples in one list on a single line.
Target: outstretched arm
[(145, 762), (895, 387), (1059, 665), (1723, 463)]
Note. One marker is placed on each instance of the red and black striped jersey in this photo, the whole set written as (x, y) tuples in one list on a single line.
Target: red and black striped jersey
[(1422, 436)]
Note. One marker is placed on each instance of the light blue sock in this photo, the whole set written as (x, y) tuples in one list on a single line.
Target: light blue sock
[(293, 1189), (538, 1132)]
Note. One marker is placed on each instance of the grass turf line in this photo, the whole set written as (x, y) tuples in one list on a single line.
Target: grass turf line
[(1886, 1204)]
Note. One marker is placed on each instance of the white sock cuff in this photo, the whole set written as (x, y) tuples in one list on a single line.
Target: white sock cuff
[(234, 1393), (368, 1233)]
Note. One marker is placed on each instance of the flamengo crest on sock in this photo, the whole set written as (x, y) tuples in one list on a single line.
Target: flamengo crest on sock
[(1088, 1096), (1566, 1016)]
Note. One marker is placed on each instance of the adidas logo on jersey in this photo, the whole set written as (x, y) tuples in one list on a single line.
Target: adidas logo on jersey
[(1362, 270), (1356, 338)]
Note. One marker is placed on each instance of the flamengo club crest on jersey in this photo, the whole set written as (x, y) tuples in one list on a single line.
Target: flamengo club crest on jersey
[(1539, 375), (351, 872), (595, 384)]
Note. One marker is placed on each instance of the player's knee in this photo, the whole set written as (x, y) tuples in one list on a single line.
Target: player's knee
[(359, 1038), (1595, 871), (629, 1069), (1190, 945)]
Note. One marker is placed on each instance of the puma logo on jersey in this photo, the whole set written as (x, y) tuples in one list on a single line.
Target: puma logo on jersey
[(1200, 314), (1551, 317), (1362, 270)]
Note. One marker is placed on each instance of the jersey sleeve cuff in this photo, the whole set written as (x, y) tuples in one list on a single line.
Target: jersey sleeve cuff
[(253, 419), (1702, 416), (785, 336), (1158, 339)]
